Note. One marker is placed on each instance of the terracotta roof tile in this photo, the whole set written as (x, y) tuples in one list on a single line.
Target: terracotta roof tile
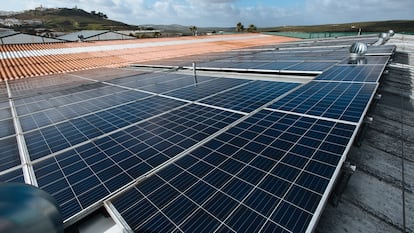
[(28, 60)]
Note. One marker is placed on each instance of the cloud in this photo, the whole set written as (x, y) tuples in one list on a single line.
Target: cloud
[(229, 12), (332, 11)]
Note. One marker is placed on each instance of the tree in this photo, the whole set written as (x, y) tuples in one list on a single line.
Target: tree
[(193, 29), (239, 27), (252, 28), (157, 34)]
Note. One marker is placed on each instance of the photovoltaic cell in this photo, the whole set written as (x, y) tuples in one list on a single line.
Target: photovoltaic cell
[(343, 101), (267, 173), (311, 66), (169, 85), (385, 49), (205, 89), (15, 176), (70, 109), (159, 83), (288, 63), (7, 127), (270, 171), (86, 174), (54, 138), (367, 60), (283, 65), (240, 64), (9, 153), (38, 102), (249, 97), (366, 73)]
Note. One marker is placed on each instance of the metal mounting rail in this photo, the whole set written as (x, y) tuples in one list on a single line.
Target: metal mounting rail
[(28, 172)]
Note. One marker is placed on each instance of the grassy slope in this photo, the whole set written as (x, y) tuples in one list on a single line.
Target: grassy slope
[(65, 19)]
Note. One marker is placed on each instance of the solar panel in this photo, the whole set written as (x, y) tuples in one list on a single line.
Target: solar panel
[(60, 98), (302, 59), (247, 179), (74, 107), (251, 96), (85, 174), (170, 85), (311, 66), (367, 60), (158, 82), (53, 138), (15, 175), (9, 153), (335, 100), (197, 169), (366, 73), (230, 64), (7, 127), (6, 121), (271, 66), (382, 50), (205, 89)]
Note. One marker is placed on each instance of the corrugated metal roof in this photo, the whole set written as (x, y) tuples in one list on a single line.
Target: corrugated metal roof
[(94, 35), (26, 39), (110, 36), (74, 36), (7, 33)]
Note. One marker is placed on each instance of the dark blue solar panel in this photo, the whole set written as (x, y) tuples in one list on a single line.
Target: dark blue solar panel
[(7, 127), (169, 85), (71, 110), (282, 65), (13, 176), (367, 60), (275, 66), (237, 64), (343, 101), (371, 73), (311, 66), (245, 179), (6, 121), (96, 169), (64, 97), (205, 89), (161, 82), (249, 97), (5, 111), (58, 137), (146, 79), (9, 153), (388, 49)]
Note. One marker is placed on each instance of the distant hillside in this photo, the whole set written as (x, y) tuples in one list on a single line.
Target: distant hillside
[(185, 30), (65, 20), (69, 20), (382, 26)]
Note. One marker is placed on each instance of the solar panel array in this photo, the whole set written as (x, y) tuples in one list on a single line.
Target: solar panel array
[(185, 153), (267, 173)]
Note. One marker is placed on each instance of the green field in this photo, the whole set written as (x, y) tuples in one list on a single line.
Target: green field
[(400, 26)]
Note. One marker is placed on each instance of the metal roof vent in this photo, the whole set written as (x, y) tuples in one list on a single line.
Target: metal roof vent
[(382, 39), (358, 49), (384, 36)]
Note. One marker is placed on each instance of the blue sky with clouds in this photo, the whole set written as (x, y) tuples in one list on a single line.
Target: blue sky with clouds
[(224, 13)]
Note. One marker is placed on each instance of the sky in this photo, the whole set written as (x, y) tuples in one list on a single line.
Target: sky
[(227, 13)]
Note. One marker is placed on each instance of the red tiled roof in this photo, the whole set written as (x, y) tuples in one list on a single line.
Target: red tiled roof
[(26, 60)]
